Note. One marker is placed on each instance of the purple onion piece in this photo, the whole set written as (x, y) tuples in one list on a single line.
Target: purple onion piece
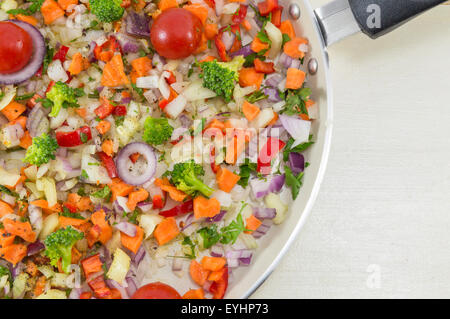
[(216, 218), (274, 80), (137, 25), (272, 94), (245, 261), (34, 248), (244, 51), (296, 163), (264, 213), (272, 184), (127, 228), (139, 255), (216, 251), (123, 163), (126, 100), (17, 269), (132, 286), (75, 293), (185, 120), (114, 284)]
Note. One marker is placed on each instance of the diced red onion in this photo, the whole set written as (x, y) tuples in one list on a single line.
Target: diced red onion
[(241, 253), (127, 228), (232, 262), (152, 96), (8, 199), (285, 60), (132, 287), (272, 184), (128, 44), (75, 293), (262, 229), (216, 218), (295, 64), (13, 132), (264, 212), (139, 255), (123, 163), (158, 61), (114, 284), (244, 51), (272, 94), (245, 261), (296, 162), (120, 205), (35, 248), (179, 131), (297, 128), (274, 80), (177, 264), (16, 270), (216, 251), (125, 100), (188, 221), (137, 25), (185, 120), (228, 38), (145, 206)]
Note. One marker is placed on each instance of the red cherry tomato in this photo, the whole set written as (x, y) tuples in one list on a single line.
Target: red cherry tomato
[(16, 48), (176, 33), (156, 290)]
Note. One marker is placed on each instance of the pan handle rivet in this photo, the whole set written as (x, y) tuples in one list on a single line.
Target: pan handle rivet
[(294, 11), (312, 66)]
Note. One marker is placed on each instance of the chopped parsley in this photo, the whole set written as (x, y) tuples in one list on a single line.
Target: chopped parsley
[(104, 193), (245, 171)]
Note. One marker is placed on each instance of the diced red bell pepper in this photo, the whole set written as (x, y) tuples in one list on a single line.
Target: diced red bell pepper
[(71, 207), (163, 103), (237, 44), (50, 85), (268, 152), (211, 3), (108, 163), (263, 67), (240, 14), (91, 265), (86, 295), (105, 52), (176, 141), (39, 72), (74, 138), (276, 16), (158, 202), (171, 79), (219, 287), (221, 49), (32, 102), (61, 54), (214, 167), (99, 288), (267, 6), (120, 110), (179, 210), (105, 109)]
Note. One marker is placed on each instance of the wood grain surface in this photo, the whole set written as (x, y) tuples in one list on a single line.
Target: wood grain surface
[(381, 225)]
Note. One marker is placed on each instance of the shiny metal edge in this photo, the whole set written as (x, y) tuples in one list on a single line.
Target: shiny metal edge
[(323, 163)]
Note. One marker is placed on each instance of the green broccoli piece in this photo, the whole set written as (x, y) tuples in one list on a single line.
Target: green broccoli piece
[(157, 131), (185, 178), (41, 151), (60, 94), (219, 79), (107, 10), (58, 245)]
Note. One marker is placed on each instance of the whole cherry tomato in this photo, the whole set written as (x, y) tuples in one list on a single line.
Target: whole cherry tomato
[(176, 33), (156, 290), (16, 48)]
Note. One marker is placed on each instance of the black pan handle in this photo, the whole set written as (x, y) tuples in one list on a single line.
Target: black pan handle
[(377, 17)]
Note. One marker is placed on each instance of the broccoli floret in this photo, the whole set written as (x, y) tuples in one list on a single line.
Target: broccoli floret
[(41, 151), (107, 10), (218, 79), (59, 94), (185, 178), (157, 131), (58, 245)]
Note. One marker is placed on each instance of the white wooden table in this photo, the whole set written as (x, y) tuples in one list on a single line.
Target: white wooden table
[(381, 225)]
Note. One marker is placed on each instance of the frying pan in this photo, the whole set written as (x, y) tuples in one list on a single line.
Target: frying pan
[(323, 27)]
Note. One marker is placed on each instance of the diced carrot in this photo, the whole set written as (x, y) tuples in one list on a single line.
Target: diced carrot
[(198, 274), (235, 147), (99, 219), (39, 287), (140, 67), (194, 294), (13, 253), (91, 265), (213, 263), (42, 203), (295, 78), (86, 294), (209, 58), (82, 203), (166, 230), (78, 64), (133, 243), (13, 110), (249, 77), (203, 44), (51, 11), (108, 147), (138, 5), (6, 238), (119, 188), (174, 193), (22, 120), (252, 223), (28, 19), (263, 67), (81, 111), (257, 45), (167, 4), (273, 120), (5, 209), (286, 27), (21, 229), (250, 111), (69, 221), (216, 275), (211, 30), (103, 127), (246, 25), (198, 10), (26, 140), (136, 197), (226, 179), (215, 123), (204, 207), (292, 48), (113, 73), (64, 4)]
